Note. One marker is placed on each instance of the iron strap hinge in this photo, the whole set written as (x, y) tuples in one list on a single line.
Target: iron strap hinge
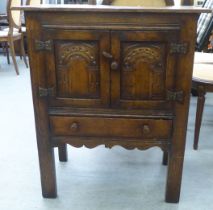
[(175, 96), (178, 48), (43, 45), (45, 92)]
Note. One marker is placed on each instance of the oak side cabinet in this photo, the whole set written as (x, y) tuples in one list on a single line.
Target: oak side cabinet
[(112, 76)]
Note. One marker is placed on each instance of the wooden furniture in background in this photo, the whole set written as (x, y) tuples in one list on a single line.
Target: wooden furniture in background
[(202, 83), (104, 75), (23, 28), (4, 45), (14, 33), (203, 67)]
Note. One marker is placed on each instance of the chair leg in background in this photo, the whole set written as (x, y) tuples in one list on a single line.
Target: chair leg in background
[(7, 53), (13, 54), (23, 52), (199, 115), (3, 44)]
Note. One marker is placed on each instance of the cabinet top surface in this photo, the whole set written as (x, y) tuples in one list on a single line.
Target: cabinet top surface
[(102, 8)]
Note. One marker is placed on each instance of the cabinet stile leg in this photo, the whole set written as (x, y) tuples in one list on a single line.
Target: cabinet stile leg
[(62, 152), (47, 172), (174, 177)]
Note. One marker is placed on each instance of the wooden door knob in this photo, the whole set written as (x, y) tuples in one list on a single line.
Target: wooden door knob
[(107, 55), (146, 129), (74, 127), (114, 65)]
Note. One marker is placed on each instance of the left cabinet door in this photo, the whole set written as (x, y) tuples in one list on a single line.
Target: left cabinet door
[(77, 73)]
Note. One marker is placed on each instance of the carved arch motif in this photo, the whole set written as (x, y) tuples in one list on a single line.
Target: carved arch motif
[(136, 53), (71, 51)]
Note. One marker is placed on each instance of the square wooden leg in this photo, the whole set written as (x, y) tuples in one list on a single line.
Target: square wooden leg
[(62, 152), (47, 172), (174, 177), (165, 158)]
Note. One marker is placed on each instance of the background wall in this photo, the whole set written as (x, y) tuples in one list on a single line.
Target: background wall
[(3, 5)]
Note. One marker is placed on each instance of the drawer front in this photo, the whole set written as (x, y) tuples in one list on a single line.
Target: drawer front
[(111, 127)]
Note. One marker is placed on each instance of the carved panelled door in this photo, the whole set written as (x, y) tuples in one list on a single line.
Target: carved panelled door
[(142, 69), (77, 73)]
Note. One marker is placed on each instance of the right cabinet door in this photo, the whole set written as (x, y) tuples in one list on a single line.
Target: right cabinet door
[(145, 68)]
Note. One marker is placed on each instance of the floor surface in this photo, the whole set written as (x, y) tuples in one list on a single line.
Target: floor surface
[(97, 179)]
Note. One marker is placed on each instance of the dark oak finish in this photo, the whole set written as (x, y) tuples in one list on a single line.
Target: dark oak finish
[(112, 76)]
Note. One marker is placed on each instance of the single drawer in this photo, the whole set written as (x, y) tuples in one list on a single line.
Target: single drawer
[(111, 127)]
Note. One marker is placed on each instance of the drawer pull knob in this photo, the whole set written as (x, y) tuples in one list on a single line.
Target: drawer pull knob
[(74, 127), (146, 129)]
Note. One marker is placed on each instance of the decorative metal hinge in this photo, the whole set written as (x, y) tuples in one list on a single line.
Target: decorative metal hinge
[(178, 48), (175, 96), (45, 92), (43, 45)]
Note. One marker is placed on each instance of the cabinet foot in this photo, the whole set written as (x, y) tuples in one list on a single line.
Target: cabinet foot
[(172, 200), (50, 195)]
